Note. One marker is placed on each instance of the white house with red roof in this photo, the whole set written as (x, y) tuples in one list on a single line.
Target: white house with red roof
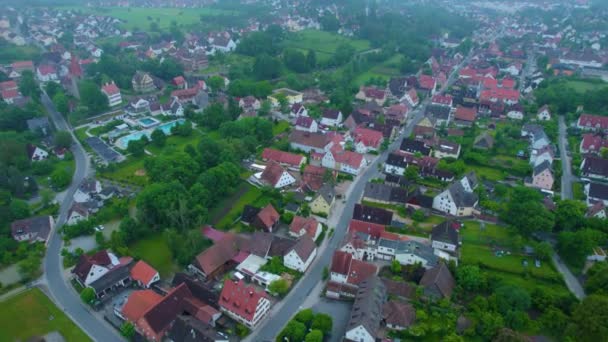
[(592, 122), (46, 73), (369, 94), (91, 268), (301, 226), (337, 158), (291, 160), (243, 303), (506, 96), (10, 96), (274, 175), (427, 83), (144, 275), (301, 255), (348, 271), (332, 118), (306, 124), (35, 153), (593, 143), (411, 97), (444, 100), (367, 140), (544, 113), (298, 109), (111, 91)]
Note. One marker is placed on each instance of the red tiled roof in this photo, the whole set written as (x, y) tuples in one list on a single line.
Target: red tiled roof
[(373, 229), (349, 158), (138, 303), (593, 121), (304, 121), (75, 68), (309, 224), (23, 65), (374, 93), (508, 83), (110, 89), (426, 82), (143, 272), (593, 143), (501, 94), (185, 93), (465, 114), (313, 177), (217, 255), (46, 69), (360, 271), (10, 94), (8, 85), (241, 299), (442, 99), (282, 157), (212, 234), (268, 216), (272, 173), (340, 262), (179, 80), (368, 137)]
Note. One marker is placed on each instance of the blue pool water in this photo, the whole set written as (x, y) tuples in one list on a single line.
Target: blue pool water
[(166, 128), (147, 122)]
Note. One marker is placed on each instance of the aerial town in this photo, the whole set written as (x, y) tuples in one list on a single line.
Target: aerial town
[(304, 171)]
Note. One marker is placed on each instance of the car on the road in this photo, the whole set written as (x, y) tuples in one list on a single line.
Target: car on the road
[(99, 228)]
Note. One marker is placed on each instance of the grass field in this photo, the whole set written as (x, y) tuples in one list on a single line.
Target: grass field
[(487, 172), (142, 17), (126, 172), (176, 143), (32, 314), (477, 249), (385, 71), (581, 86), (231, 208), (323, 43), (155, 251), (11, 53)]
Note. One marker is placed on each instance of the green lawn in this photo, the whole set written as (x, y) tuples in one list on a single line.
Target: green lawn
[(385, 71), (154, 250), (11, 53), (488, 173), (126, 172), (581, 86), (176, 143), (32, 314), (231, 208), (280, 127), (323, 43), (141, 18)]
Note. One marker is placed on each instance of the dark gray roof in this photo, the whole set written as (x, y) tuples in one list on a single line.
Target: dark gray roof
[(438, 111), (595, 166), (367, 308), (542, 167), (189, 329), (410, 246), (112, 277), (249, 213), (38, 123), (598, 190), (439, 277), (446, 231), (398, 160), (413, 146), (102, 149), (328, 192), (372, 214), (385, 193), (461, 197)]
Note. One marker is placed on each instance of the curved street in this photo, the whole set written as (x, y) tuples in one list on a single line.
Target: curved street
[(60, 290)]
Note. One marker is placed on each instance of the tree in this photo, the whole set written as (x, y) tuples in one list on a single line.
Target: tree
[(396, 267), (589, 319), (137, 147), (311, 59), (265, 108), (471, 278), (329, 22), (314, 336), (325, 273), (305, 316), (569, 215), (575, 246), (216, 83), (295, 60), (322, 322), (525, 212), (63, 139), (214, 116), (279, 287), (266, 67), (52, 88), (512, 298), (30, 266), (28, 86), (554, 321), (412, 173), (92, 97), (88, 295), (158, 138), (127, 329), (597, 279), (60, 178), (543, 250), (46, 197), (294, 331)]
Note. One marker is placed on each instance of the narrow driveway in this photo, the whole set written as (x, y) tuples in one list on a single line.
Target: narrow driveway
[(571, 281), (567, 178), (61, 292)]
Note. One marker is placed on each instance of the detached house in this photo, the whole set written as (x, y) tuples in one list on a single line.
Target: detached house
[(367, 140), (339, 159), (593, 122), (323, 200), (438, 282), (291, 160), (592, 143), (459, 199), (465, 116), (243, 303), (103, 272), (33, 229), (594, 167), (88, 188), (369, 94), (301, 255), (111, 91), (544, 113), (46, 73), (78, 212), (332, 118), (301, 226), (274, 175), (446, 236), (596, 193), (144, 275), (35, 153), (306, 124), (143, 82), (346, 274), (367, 312), (372, 215)]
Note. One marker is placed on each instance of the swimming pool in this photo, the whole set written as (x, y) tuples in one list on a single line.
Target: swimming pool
[(147, 122), (123, 142)]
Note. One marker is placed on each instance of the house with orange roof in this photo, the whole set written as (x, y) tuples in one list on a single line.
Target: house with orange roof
[(301, 226), (144, 274)]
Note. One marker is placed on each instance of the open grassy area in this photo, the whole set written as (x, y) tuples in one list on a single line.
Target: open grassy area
[(11, 53), (488, 173), (141, 18), (32, 314), (128, 171), (385, 71), (323, 43), (582, 86), (280, 127), (231, 208), (479, 246), (154, 250), (176, 143)]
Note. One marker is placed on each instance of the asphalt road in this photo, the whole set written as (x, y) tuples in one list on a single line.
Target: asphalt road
[(61, 292), (567, 177)]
